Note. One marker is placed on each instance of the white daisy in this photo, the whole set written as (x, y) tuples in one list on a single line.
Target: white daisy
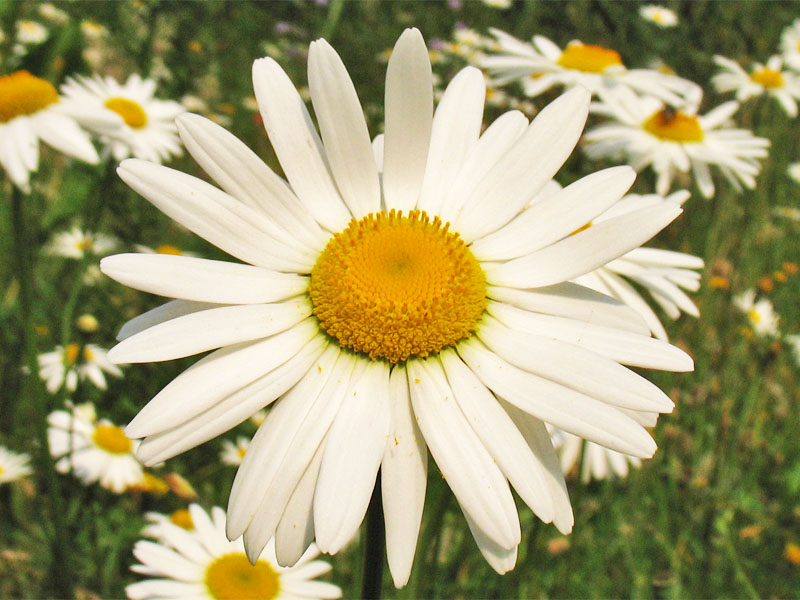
[(52, 13), (145, 125), (597, 462), (761, 315), (93, 31), (475, 334), (76, 243), (660, 15), (202, 563), (67, 365), (770, 79), (95, 450), (790, 45), (543, 65), (13, 465), (501, 4), (646, 132), (794, 171), (30, 110), (31, 32), (232, 454)]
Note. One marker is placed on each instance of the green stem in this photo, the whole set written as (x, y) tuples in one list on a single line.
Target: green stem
[(59, 580), (332, 20), (372, 580)]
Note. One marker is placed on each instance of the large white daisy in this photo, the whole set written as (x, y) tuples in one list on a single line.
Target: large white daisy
[(95, 450), (13, 465), (31, 110), (646, 132), (542, 65), (771, 78), (193, 559), (144, 125), (423, 309)]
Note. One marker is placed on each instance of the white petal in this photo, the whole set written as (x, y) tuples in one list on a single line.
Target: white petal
[(65, 135), (202, 280), (617, 286), (664, 258), (161, 314), (344, 130), (297, 144), (209, 329), (500, 559), (403, 479), (409, 115)]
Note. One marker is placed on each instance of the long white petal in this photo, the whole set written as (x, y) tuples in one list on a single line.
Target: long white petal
[(160, 314), (502, 560)]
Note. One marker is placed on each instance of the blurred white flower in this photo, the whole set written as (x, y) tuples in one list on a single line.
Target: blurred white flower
[(13, 465), (93, 31), (67, 365), (232, 454), (790, 45), (52, 13), (761, 315), (31, 32), (770, 79), (156, 528), (77, 243), (661, 16), (501, 4), (794, 171)]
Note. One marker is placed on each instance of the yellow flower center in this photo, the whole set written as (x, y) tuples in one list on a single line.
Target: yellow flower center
[(768, 78), (232, 577), (241, 452), (588, 58), (23, 94), (168, 249), (394, 286), (1, 470), (131, 112), (673, 125), (182, 518), (112, 439), (754, 316), (71, 354)]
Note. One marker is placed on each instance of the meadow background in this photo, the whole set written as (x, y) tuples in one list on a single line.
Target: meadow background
[(714, 514)]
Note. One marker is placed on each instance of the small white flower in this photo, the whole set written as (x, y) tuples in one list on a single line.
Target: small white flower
[(95, 450), (790, 45), (232, 454), (67, 365), (661, 16), (93, 31), (200, 562), (597, 462), (770, 79), (77, 244), (52, 13), (794, 171), (761, 315), (144, 125), (647, 133), (501, 4), (31, 32), (13, 465)]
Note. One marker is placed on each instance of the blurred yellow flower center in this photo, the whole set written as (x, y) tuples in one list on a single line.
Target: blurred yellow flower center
[(395, 286), (112, 439), (168, 249), (131, 112), (1, 470), (232, 577), (754, 316), (182, 518), (768, 78), (673, 125), (588, 58), (71, 354), (23, 94)]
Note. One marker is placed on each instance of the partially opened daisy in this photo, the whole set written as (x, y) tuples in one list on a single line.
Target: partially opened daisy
[(193, 559), (597, 462), (542, 65), (31, 110), (94, 450), (145, 126), (70, 364), (13, 465), (645, 132), (387, 316), (771, 78)]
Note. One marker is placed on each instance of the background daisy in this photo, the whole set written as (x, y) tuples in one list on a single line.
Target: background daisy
[(771, 79), (70, 364), (13, 465)]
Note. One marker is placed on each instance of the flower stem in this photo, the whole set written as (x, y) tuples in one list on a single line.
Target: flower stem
[(374, 546), (59, 580)]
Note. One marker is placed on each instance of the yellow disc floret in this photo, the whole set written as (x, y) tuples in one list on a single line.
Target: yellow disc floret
[(112, 439), (24, 94), (131, 112), (394, 286), (674, 125), (588, 58), (182, 518), (232, 577), (768, 78)]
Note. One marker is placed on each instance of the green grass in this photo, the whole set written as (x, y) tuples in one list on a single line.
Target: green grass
[(709, 516)]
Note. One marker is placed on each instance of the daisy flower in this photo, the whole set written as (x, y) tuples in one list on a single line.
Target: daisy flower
[(67, 365), (52, 13), (794, 171), (31, 110), (790, 45), (199, 562), (31, 32), (661, 16), (647, 132), (13, 465), (144, 126), (94, 450), (761, 315), (232, 454), (386, 316), (770, 79), (542, 65), (156, 528), (77, 244), (597, 462)]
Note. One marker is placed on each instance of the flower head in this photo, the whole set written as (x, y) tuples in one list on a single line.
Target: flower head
[(771, 78), (661, 16), (790, 44), (761, 314), (31, 32), (77, 243), (13, 465), (232, 454), (67, 365), (194, 559), (480, 337)]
